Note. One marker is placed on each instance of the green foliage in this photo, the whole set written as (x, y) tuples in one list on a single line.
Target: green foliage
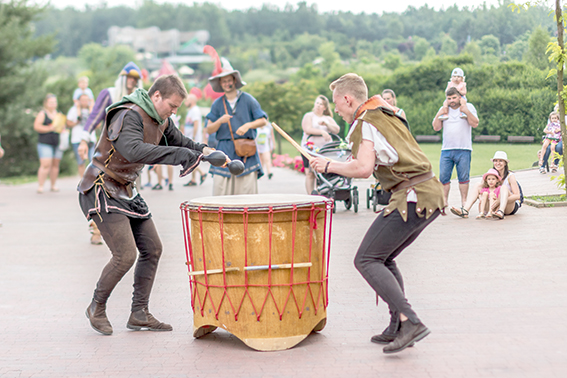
[(103, 64), (285, 103), (20, 86), (489, 45), (537, 46), (448, 46)]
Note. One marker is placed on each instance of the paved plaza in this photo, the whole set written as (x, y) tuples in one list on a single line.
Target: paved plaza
[(493, 293)]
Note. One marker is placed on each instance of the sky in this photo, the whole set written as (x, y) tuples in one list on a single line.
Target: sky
[(355, 6)]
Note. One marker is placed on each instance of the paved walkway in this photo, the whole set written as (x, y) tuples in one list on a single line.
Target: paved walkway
[(493, 293)]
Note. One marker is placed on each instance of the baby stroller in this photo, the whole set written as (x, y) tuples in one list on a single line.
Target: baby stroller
[(331, 185), (377, 196)]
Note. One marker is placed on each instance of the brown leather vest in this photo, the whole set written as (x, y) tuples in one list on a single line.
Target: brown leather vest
[(108, 167)]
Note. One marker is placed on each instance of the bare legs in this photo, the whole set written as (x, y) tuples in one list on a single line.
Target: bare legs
[(463, 189), (48, 167), (309, 180)]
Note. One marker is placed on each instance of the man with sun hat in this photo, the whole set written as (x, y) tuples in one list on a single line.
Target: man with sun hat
[(235, 115)]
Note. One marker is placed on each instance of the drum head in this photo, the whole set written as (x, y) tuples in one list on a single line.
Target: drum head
[(257, 201)]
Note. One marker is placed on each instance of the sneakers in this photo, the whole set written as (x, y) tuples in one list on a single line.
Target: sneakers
[(170, 186), (408, 334), (142, 319), (443, 117), (463, 115), (96, 313), (270, 175)]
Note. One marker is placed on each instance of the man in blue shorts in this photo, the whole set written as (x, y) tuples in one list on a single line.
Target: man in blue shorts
[(457, 142)]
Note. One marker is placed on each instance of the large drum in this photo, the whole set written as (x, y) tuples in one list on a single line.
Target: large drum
[(258, 266)]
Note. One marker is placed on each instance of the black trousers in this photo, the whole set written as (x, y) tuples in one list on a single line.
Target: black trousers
[(386, 238), (125, 237)]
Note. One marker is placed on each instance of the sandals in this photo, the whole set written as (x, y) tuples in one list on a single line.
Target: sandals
[(542, 170), (481, 216), (157, 187), (191, 183), (498, 215), (203, 178), (554, 168), (462, 212)]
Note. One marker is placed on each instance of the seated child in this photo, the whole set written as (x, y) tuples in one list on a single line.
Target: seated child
[(83, 89), (552, 137), (457, 81), (490, 194)]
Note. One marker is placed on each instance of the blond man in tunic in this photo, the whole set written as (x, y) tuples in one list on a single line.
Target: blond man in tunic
[(382, 145)]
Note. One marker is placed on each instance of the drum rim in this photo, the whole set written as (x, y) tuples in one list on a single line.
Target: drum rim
[(317, 201)]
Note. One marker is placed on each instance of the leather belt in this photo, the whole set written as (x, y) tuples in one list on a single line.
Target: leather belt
[(413, 181)]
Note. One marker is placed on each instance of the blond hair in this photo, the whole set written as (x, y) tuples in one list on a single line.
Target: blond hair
[(554, 113), (352, 84)]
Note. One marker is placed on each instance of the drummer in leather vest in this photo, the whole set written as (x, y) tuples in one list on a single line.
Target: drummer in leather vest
[(382, 144), (137, 131)]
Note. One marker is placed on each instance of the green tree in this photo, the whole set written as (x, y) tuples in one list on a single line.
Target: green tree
[(329, 55), (420, 47), (489, 45), (104, 63), (537, 46), (448, 46), (473, 49), (517, 50), (20, 85), (392, 60)]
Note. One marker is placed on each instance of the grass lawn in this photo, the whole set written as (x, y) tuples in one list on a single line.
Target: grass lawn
[(521, 155)]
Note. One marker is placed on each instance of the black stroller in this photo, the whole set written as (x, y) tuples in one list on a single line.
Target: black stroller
[(331, 185)]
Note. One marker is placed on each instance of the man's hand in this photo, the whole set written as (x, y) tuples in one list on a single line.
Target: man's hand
[(224, 118), (207, 150), (318, 164), (243, 129), (83, 150)]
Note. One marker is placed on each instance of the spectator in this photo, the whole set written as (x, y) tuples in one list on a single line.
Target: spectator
[(316, 124), (457, 81), (552, 138), (76, 119), (235, 115), (49, 123), (83, 89), (390, 97), (265, 141), (457, 142), (193, 129), (489, 194), (511, 196)]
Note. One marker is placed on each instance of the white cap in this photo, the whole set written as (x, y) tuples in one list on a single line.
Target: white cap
[(458, 72)]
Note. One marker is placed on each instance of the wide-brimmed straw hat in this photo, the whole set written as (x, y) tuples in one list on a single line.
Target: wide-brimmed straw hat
[(500, 155), (226, 71), (492, 172)]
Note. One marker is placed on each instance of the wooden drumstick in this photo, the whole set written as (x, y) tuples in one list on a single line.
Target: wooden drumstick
[(213, 271), (279, 266), (293, 142)]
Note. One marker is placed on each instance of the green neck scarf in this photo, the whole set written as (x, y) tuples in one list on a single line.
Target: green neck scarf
[(141, 98)]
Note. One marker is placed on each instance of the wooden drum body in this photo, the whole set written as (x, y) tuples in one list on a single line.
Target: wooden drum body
[(258, 266)]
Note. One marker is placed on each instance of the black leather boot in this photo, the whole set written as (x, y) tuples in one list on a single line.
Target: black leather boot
[(408, 334), (142, 319), (96, 312)]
